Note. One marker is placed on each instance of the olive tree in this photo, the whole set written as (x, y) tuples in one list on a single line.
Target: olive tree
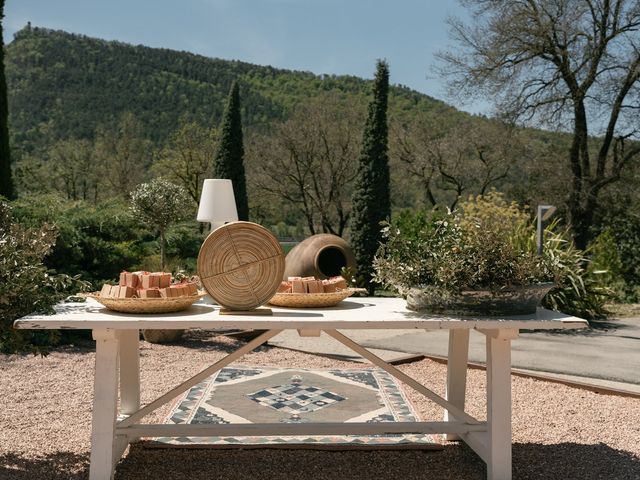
[(159, 204), (568, 64)]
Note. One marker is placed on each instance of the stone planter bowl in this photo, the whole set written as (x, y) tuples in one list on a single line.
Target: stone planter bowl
[(517, 300)]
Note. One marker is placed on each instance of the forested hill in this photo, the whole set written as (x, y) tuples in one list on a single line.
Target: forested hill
[(65, 85)]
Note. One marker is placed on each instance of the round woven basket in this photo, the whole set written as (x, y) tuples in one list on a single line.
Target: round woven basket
[(148, 305), (241, 264), (310, 300)]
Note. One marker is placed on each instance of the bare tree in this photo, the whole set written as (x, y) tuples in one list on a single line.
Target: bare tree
[(557, 63), (456, 156), (188, 157), (310, 161), (72, 165), (124, 154)]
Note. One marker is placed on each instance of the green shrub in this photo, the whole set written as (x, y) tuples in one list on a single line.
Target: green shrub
[(625, 229), (97, 242), (26, 284), (487, 244)]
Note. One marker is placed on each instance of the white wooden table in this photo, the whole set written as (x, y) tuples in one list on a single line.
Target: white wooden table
[(117, 370)]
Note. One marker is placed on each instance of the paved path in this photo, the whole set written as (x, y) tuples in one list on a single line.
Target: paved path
[(609, 353)]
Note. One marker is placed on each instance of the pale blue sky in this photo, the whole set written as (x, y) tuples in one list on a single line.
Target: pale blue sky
[(321, 36)]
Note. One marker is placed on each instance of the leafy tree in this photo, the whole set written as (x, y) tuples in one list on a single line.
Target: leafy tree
[(6, 183), (307, 161), (230, 157), (371, 199), (564, 62), (188, 157), (159, 204)]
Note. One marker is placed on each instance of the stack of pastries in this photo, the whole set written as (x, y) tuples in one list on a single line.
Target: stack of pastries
[(312, 285), (148, 285)]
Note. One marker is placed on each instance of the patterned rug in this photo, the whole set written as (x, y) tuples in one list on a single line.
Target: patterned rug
[(241, 394)]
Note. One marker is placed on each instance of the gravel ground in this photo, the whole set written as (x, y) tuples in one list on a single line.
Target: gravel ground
[(558, 432)]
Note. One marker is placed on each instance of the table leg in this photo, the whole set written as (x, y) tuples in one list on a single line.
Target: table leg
[(456, 373), (499, 407), (129, 371), (105, 405)]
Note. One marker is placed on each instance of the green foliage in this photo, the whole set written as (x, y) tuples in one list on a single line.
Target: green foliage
[(371, 198), (581, 289), (487, 244), (26, 284), (95, 241), (159, 204), (625, 230), (230, 157), (605, 260), (474, 247)]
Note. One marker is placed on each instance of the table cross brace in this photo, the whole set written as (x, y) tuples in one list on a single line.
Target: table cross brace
[(400, 375), (187, 384)]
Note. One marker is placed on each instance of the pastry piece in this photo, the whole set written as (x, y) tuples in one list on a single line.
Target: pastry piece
[(149, 293), (150, 280), (123, 279), (165, 292), (328, 286), (297, 286), (191, 287), (164, 280), (126, 292), (131, 279), (339, 281), (177, 290), (314, 286), (285, 287), (114, 292), (293, 279), (105, 291), (306, 282)]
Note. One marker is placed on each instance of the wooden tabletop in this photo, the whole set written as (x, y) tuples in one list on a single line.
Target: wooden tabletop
[(353, 313)]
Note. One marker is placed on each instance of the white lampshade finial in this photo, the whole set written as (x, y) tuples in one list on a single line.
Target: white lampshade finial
[(217, 203)]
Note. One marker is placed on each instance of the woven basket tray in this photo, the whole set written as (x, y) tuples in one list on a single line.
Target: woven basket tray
[(311, 300), (148, 305)]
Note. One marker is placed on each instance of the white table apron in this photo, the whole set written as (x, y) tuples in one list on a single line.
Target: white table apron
[(117, 344)]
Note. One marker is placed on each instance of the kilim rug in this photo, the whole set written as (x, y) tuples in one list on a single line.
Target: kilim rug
[(241, 394)]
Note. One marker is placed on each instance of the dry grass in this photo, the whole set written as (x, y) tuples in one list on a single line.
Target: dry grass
[(558, 432)]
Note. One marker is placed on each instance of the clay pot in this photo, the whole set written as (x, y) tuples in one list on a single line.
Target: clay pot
[(321, 256), (162, 336)]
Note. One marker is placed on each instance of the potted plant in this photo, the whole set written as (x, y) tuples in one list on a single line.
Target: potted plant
[(478, 260)]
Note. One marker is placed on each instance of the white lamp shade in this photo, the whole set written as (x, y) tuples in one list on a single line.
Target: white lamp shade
[(217, 203)]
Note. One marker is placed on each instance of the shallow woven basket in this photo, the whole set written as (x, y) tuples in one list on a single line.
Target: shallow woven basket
[(311, 300), (241, 265), (148, 305)]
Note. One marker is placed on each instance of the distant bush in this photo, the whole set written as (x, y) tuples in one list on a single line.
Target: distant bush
[(26, 284)]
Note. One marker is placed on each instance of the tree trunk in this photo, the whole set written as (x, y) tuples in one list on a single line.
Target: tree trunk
[(162, 250), (580, 208)]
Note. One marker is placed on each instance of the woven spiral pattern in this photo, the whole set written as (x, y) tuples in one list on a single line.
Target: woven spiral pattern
[(241, 265)]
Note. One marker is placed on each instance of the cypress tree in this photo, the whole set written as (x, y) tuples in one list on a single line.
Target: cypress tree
[(229, 162), (371, 200), (6, 184)]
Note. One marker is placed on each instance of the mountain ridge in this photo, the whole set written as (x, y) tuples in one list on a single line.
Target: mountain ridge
[(64, 84)]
